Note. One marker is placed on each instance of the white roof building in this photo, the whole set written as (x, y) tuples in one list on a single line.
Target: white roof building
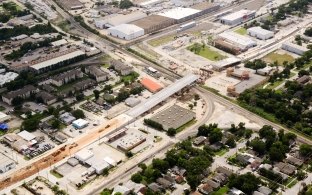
[(7, 77), (238, 17), (132, 101), (59, 43), (297, 49), (119, 19), (26, 135), (126, 31), (80, 123), (83, 155), (179, 13), (110, 161), (53, 61), (260, 33), (241, 41), (4, 117)]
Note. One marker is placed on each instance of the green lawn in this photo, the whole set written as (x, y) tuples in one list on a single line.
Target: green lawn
[(161, 41), (208, 53), (279, 82), (188, 124), (221, 191), (56, 174), (221, 152), (241, 31), (280, 58), (131, 77)]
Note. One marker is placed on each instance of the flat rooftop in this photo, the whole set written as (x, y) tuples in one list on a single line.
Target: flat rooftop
[(150, 21), (161, 95), (254, 79), (173, 117), (237, 38), (237, 15), (178, 13)]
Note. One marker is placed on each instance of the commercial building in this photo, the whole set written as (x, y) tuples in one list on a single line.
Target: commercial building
[(66, 77), (126, 31), (7, 77), (51, 61), (227, 62), (162, 95), (71, 4), (59, 43), (227, 46), (238, 17), (80, 123), (132, 101), (83, 155), (6, 163), (97, 73), (121, 68), (131, 141), (24, 93), (4, 117), (119, 19), (180, 14), (260, 33), (240, 74), (243, 42), (153, 23), (174, 117), (149, 3), (150, 85), (116, 135), (67, 118), (291, 47)]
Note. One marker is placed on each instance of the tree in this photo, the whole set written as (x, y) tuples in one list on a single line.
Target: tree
[(160, 165), (56, 124), (129, 154), (30, 124), (171, 131), (246, 182), (125, 4), (196, 97), (305, 150), (303, 72), (96, 94), (258, 145), (277, 151), (215, 136), (79, 96), (17, 101), (78, 113), (231, 142), (136, 178)]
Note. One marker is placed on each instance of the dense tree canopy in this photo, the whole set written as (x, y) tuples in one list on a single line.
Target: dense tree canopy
[(246, 182)]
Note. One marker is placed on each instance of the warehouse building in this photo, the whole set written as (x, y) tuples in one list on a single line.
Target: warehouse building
[(119, 19), (296, 49), (126, 31), (80, 123), (238, 17), (4, 117), (206, 7), (132, 101), (151, 85), (260, 33), (243, 42), (174, 117), (6, 163), (153, 23), (227, 47), (83, 155), (180, 14)]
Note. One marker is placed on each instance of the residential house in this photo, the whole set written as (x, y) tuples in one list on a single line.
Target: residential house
[(215, 146), (213, 184), (66, 77), (294, 161), (121, 68), (199, 140), (84, 84), (155, 187), (303, 80), (220, 178), (286, 168), (235, 191), (97, 73), (264, 190), (46, 97), (164, 183), (67, 118), (224, 170), (205, 189), (48, 88), (243, 159), (24, 93)]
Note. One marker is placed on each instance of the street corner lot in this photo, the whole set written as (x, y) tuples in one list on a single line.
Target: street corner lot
[(117, 110), (133, 136), (40, 187), (220, 82), (225, 116), (280, 56)]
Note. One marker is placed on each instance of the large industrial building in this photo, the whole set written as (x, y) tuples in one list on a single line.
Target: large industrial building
[(238, 17), (181, 14), (153, 23), (173, 117), (126, 31), (243, 42), (260, 33), (119, 19), (291, 47), (6, 163)]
